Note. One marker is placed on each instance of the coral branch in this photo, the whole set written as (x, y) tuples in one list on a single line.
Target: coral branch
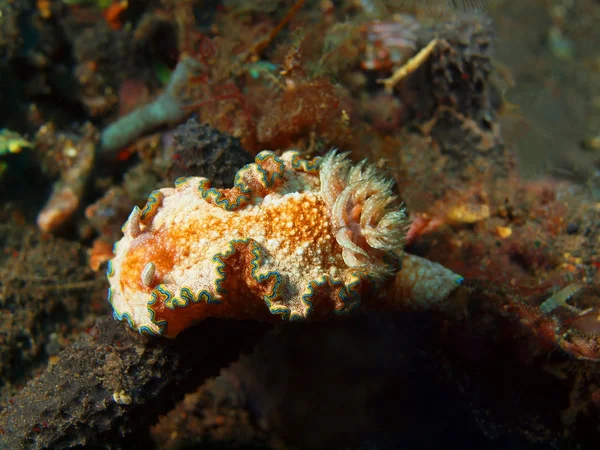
[(67, 192), (167, 108)]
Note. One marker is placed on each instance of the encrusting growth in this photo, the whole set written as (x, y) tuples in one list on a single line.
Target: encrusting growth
[(294, 238)]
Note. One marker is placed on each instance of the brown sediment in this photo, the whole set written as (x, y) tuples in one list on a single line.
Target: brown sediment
[(47, 296)]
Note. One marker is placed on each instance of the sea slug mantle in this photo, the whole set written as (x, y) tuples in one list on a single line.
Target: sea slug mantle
[(293, 238)]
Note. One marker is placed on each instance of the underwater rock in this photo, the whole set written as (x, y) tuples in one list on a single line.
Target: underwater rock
[(203, 150), (111, 383)]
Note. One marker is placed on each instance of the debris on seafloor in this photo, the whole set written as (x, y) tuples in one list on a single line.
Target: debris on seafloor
[(409, 67), (67, 192), (10, 143), (560, 299)]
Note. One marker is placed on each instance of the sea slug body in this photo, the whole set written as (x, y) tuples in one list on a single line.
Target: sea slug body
[(293, 239)]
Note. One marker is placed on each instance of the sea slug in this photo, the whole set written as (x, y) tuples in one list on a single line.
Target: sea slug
[(293, 239)]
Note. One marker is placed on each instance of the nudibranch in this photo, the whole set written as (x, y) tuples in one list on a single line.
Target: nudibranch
[(293, 239)]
